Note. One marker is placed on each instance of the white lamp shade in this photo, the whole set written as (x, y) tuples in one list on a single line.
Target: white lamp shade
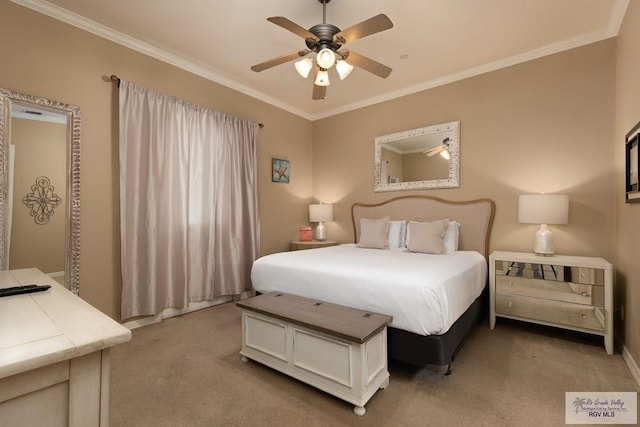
[(543, 209), (326, 58), (343, 68), (322, 79), (304, 66), (320, 212)]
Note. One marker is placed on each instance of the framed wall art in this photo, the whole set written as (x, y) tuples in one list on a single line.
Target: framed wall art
[(632, 150), (280, 170)]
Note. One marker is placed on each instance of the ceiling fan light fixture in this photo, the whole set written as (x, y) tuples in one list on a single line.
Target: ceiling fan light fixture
[(322, 79), (304, 66), (323, 43), (326, 58), (343, 68)]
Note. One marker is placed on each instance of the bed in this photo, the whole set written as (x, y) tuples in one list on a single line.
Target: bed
[(431, 317)]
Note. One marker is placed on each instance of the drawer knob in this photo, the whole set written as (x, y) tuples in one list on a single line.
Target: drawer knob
[(511, 284), (510, 304), (584, 316)]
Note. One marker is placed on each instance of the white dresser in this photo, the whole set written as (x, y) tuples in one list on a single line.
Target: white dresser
[(569, 292), (54, 356)]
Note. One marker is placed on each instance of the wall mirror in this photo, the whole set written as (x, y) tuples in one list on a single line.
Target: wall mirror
[(416, 159), (40, 186)]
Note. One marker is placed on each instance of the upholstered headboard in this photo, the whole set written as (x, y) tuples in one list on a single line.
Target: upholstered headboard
[(475, 216)]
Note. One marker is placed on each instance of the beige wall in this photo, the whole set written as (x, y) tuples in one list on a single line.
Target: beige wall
[(419, 167), (48, 58), (627, 220), (395, 166), (545, 125), (40, 150)]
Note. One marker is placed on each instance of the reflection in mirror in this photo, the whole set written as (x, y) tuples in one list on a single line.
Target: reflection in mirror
[(420, 158), (39, 186)]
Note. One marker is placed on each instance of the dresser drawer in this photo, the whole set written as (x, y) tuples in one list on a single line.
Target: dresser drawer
[(554, 312), (549, 289), (557, 273)]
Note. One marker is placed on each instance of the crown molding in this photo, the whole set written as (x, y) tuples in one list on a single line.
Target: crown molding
[(105, 32), (615, 23), (617, 16), (56, 12), (597, 36)]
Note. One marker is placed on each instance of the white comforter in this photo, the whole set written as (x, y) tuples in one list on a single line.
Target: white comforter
[(424, 293)]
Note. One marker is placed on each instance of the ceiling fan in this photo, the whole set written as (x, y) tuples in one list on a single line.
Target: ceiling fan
[(443, 149), (326, 41)]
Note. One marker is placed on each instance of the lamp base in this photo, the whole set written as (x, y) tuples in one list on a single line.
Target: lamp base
[(543, 243), (321, 232)]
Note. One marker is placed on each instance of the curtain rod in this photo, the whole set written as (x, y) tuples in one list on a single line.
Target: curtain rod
[(115, 79)]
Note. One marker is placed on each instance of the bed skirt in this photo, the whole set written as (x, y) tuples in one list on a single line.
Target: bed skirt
[(441, 350)]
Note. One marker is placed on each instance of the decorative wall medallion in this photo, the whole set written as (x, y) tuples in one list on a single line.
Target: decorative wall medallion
[(42, 200)]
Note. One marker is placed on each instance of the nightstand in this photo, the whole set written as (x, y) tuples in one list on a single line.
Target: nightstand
[(312, 244), (567, 292)]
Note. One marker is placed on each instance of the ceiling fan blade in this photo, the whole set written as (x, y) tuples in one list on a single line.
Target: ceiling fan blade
[(365, 63), (433, 151), (365, 28), (279, 60), (285, 23)]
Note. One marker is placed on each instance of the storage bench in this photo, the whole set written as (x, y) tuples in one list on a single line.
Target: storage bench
[(337, 349)]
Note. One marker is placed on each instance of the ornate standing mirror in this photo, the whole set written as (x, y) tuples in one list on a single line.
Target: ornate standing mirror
[(418, 159), (40, 186)]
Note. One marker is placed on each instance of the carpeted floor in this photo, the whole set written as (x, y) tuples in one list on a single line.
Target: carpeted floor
[(186, 371)]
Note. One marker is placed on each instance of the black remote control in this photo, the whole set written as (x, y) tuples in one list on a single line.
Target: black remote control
[(16, 290)]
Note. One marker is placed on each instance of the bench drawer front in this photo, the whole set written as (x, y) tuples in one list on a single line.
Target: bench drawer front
[(267, 336), (322, 356), (376, 352)]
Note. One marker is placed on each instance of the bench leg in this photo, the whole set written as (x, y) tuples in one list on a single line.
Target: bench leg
[(385, 384), (359, 410)]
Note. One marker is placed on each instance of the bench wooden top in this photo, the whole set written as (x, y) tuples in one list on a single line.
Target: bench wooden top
[(335, 320)]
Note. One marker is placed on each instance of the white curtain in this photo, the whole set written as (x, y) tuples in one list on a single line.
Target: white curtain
[(188, 202)]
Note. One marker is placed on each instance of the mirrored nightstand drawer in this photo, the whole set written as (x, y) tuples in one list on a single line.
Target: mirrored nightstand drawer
[(558, 273), (552, 312), (548, 289)]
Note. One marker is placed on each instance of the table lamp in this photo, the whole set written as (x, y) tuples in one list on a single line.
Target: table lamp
[(543, 209), (320, 213)]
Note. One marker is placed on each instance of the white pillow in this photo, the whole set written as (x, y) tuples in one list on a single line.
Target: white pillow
[(374, 232), (397, 234), (427, 237), (451, 237)]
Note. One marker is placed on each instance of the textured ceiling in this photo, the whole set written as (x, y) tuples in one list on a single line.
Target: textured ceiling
[(433, 42)]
